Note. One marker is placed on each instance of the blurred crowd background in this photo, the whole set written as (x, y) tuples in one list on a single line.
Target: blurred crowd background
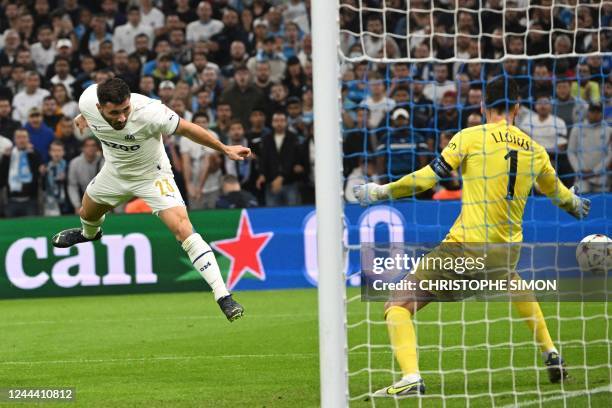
[(243, 69)]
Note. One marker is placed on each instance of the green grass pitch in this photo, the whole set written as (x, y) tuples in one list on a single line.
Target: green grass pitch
[(171, 350)]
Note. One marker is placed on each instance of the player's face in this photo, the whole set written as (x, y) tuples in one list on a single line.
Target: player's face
[(116, 114)]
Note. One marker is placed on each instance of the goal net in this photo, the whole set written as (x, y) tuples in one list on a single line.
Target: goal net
[(413, 73)]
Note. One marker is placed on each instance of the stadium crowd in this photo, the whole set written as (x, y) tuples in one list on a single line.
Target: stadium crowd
[(243, 69)]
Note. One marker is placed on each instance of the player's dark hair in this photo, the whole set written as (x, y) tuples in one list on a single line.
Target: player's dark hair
[(114, 90), (500, 94)]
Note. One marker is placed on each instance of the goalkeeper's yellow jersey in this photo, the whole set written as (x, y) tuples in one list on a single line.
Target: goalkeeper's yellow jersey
[(499, 165)]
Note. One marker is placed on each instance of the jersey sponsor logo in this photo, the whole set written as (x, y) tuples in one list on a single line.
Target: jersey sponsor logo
[(121, 147), (130, 137)]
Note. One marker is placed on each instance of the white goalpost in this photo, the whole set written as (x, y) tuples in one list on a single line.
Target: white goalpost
[(328, 174)]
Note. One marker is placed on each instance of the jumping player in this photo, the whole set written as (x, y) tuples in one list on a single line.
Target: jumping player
[(130, 127)]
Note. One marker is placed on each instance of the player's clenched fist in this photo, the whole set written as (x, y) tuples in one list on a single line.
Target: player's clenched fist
[(237, 152), (81, 123)]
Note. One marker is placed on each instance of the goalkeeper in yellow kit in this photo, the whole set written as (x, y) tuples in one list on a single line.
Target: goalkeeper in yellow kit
[(499, 165)]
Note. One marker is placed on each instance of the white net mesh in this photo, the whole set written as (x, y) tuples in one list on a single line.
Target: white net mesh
[(433, 58)]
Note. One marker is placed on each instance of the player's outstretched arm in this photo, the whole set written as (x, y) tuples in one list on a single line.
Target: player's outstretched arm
[(409, 185), (204, 137), (561, 196)]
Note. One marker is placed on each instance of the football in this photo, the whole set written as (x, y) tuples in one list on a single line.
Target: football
[(594, 254)]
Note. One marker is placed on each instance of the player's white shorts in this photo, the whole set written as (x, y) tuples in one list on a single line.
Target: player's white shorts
[(159, 192)]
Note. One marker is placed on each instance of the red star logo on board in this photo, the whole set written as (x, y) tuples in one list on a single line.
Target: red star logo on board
[(244, 251)]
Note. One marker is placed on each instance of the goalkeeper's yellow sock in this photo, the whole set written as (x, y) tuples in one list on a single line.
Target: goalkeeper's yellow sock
[(535, 320), (403, 340)]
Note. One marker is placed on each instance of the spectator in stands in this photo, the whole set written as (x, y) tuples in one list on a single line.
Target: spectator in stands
[(201, 169), (294, 116), (401, 150), (43, 52), (242, 170), (563, 66), (541, 82), (146, 86), (8, 125), (422, 108), (62, 76), (233, 196), (569, 108), (223, 120), (166, 91), (39, 133), (206, 26), (435, 90), (82, 170), (20, 172), (242, 95), (276, 59), (142, 48), (95, 35), (584, 87), (124, 36), (377, 45), (281, 165), (151, 16), (257, 130), (262, 79), (219, 45), (16, 83), (590, 151), (65, 134), (31, 97), (55, 174), (51, 112), (12, 42), (85, 78), (378, 103), (104, 58), (447, 114), (551, 133), (112, 16), (472, 104), (278, 98)]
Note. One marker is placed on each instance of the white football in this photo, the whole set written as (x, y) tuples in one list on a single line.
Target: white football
[(594, 254)]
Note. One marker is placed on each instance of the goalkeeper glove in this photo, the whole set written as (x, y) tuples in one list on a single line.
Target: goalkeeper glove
[(370, 193), (576, 206)]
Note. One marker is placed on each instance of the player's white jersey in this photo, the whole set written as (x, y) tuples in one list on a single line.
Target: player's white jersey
[(136, 151)]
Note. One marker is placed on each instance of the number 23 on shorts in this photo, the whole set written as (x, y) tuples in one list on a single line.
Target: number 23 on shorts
[(164, 186)]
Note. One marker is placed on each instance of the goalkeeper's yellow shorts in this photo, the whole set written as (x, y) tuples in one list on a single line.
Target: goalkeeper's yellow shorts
[(450, 262)]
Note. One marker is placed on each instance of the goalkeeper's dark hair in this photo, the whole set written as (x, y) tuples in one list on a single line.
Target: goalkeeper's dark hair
[(113, 90), (501, 94)]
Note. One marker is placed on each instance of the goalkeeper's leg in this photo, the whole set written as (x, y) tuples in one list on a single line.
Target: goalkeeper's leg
[(398, 315), (529, 309)]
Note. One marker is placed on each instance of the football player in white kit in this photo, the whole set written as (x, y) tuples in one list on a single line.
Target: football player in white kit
[(130, 127)]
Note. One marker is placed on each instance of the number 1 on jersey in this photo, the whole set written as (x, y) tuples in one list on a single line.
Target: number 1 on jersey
[(513, 156)]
